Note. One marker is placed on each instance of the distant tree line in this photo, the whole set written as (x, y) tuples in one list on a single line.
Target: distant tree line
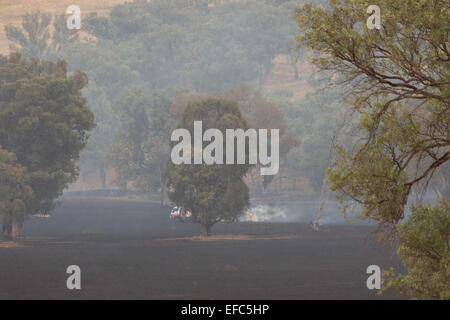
[(159, 45)]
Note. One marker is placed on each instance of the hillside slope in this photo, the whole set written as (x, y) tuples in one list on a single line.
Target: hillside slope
[(282, 77), (12, 11)]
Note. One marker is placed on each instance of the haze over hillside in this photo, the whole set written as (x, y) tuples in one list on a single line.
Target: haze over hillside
[(280, 80), (282, 75), (11, 12)]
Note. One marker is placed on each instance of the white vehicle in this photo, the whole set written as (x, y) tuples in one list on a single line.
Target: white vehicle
[(180, 214)]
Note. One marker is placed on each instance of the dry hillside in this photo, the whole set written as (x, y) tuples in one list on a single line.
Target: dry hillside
[(11, 11)]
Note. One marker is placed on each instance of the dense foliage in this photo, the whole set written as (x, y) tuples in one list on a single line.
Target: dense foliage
[(399, 81), (213, 192), (425, 252), (44, 123)]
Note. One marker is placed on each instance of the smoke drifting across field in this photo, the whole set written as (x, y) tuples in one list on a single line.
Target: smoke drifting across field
[(303, 213)]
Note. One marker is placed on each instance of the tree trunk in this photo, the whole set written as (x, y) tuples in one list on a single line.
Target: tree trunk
[(207, 230), (17, 227), (7, 228)]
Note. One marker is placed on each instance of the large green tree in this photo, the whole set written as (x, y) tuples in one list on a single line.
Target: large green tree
[(214, 192), (16, 195), (398, 80), (45, 122), (425, 251), (398, 83)]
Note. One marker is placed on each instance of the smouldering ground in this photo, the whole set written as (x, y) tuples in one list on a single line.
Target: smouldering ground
[(130, 250)]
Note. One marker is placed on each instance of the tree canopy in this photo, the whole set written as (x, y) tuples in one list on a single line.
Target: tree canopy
[(213, 192), (425, 253), (44, 122), (397, 80)]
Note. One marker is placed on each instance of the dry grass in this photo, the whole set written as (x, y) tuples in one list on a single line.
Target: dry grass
[(11, 11)]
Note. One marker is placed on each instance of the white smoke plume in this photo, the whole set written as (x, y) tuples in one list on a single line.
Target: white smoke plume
[(296, 213)]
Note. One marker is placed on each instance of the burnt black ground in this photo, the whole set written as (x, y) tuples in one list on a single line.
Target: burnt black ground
[(130, 250)]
